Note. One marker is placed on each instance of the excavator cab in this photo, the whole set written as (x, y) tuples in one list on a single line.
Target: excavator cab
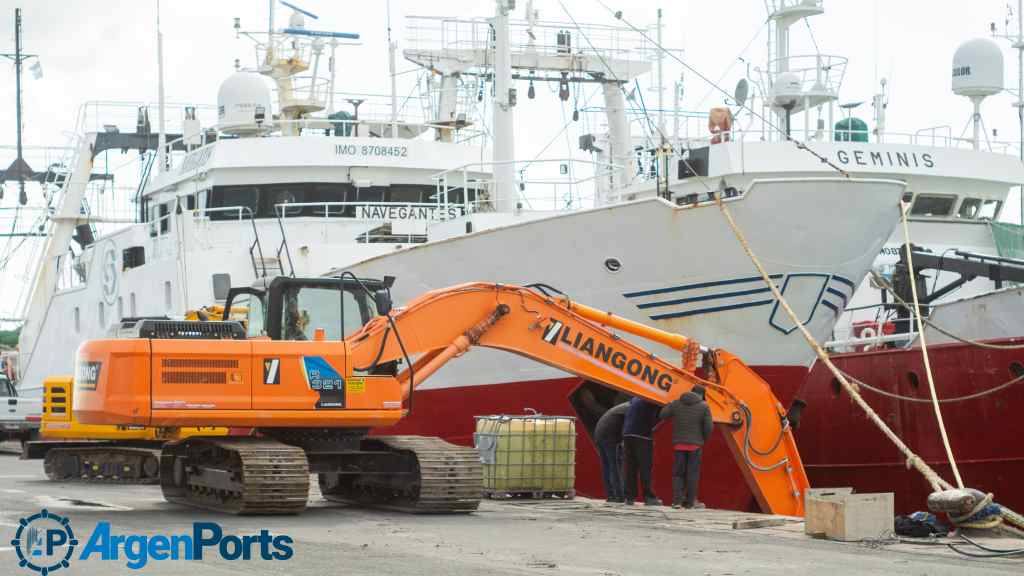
[(288, 308)]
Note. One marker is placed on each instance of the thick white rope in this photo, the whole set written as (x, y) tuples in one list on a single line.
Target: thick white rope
[(904, 207), (913, 460)]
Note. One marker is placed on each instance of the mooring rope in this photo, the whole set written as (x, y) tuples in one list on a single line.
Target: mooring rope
[(904, 207)]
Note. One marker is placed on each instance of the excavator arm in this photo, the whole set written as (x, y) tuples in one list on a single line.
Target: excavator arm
[(443, 324)]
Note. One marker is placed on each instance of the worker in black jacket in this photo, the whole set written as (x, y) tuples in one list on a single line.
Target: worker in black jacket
[(638, 449), (691, 428), (608, 436)]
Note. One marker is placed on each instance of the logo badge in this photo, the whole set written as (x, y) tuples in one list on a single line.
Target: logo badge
[(271, 370), (44, 542)]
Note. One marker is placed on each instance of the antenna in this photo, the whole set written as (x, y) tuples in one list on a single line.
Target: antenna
[(19, 169), (300, 10)]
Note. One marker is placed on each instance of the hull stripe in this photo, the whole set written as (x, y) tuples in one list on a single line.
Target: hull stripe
[(698, 285), (710, 310)]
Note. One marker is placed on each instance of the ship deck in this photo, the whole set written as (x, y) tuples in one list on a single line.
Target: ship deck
[(580, 536)]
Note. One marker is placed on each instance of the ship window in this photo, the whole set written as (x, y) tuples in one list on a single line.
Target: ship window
[(203, 198), (990, 209), (274, 200), (969, 208), (406, 194), (131, 305), (165, 209), (190, 202), (120, 308), (167, 295), (372, 194), (78, 320), (244, 197), (103, 314), (932, 205)]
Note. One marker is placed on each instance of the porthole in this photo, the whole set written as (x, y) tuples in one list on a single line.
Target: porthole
[(612, 265)]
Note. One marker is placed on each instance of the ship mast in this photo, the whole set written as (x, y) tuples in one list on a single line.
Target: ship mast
[(504, 139), (18, 169)]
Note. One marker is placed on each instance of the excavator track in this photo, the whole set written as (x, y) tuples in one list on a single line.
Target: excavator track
[(103, 465), (235, 475), (415, 474)]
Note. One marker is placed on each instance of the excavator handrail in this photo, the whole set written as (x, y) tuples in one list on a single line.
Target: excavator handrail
[(442, 324)]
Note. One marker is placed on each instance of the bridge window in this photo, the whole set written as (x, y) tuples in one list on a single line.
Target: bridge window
[(932, 205), (969, 208), (223, 202), (990, 209)]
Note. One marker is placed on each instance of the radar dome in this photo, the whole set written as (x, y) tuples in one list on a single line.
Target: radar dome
[(978, 68), (787, 89), (242, 96), (296, 20)]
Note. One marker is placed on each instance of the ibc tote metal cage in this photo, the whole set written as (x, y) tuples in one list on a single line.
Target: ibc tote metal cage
[(530, 456)]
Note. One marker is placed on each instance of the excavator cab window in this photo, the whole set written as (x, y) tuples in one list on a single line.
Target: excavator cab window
[(255, 315), (307, 308)]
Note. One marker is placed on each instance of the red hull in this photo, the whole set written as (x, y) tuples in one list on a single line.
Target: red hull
[(840, 447), (449, 413)]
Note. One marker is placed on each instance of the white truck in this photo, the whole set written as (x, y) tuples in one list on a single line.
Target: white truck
[(19, 415)]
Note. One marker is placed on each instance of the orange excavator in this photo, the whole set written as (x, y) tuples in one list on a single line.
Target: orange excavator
[(321, 361)]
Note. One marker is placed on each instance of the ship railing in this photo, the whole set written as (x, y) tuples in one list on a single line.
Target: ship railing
[(871, 342), (773, 6), (410, 108), (454, 35), (179, 148), (694, 133), (816, 74), (564, 184)]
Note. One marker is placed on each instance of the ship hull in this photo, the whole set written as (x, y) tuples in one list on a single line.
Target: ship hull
[(840, 447)]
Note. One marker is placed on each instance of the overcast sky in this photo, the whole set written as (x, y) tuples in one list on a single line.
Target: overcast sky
[(106, 50)]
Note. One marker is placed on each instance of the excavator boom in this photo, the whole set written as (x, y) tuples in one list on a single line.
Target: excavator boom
[(352, 383)]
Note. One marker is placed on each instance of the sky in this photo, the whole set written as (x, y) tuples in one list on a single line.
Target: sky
[(105, 50)]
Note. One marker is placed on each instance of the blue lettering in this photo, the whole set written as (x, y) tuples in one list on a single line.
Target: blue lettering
[(230, 542), (199, 542), (184, 543), (98, 542), (55, 538), (159, 547), (135, 551), (284, 550)]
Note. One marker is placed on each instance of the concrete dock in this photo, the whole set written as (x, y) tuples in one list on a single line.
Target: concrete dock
[(580, 536)]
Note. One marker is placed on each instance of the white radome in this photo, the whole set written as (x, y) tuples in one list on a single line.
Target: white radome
[(787, 88), (240, 96), (978, 68)]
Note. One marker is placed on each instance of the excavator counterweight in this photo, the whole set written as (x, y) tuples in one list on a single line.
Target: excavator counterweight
[(320, 391)]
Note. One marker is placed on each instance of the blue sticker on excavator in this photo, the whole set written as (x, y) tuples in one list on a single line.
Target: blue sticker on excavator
[(323, 379)]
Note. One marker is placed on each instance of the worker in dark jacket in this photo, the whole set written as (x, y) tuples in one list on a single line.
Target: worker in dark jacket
[(691, 428), (608, 436), (638, 450)]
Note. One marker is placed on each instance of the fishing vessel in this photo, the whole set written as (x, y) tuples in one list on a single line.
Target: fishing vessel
[(285, 181)]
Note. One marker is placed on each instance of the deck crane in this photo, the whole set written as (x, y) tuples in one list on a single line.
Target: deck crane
[(315, 400)]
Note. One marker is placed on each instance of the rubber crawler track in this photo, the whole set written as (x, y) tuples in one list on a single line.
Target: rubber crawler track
[(103, 465), (266, 477), (450, 478)]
